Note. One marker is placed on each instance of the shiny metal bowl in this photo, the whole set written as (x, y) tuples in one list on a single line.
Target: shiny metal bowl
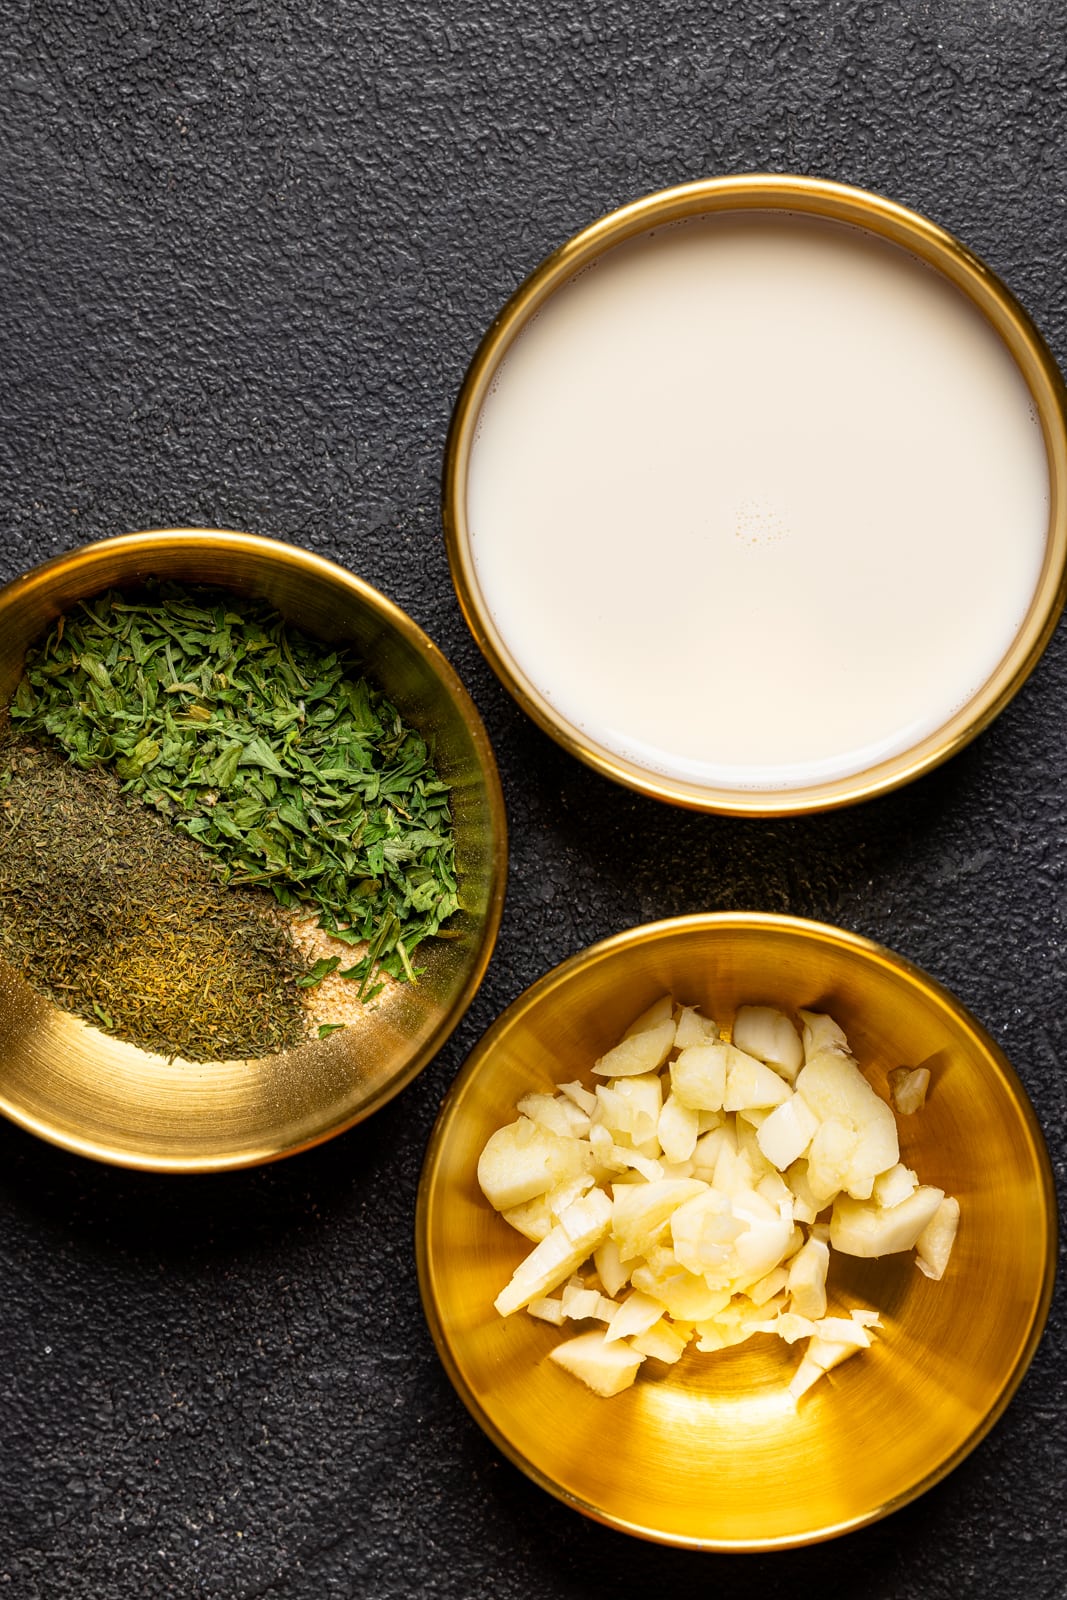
[(783, 195), (710, 1453), (104, 1098)]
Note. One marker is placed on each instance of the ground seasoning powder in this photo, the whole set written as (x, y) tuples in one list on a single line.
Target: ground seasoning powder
[(114, 915)]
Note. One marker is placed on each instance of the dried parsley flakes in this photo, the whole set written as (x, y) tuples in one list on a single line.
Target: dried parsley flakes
[(272, 751)]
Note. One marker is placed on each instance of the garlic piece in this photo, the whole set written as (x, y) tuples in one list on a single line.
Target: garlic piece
[(606, 1368), (908, 1088), (572, 1240), (862, 1228), (934, 1245), (524, 1159), (767, 1033)]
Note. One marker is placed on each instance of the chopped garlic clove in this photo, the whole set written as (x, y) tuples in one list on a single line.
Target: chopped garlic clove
[(821, 1033), (613, 1274), (678, 1129), (523, 1160), (532, 1219), (555, 1112), (698, 1076), (891, 1187), (547, 1310), (807, 1279), (867, 1319), (630, 1110), (837, 1092), (861, 1228), (788, 1326), (766, 1288), (934, 1245), (663, 1342), (640, 1209), (637, 1313), (606, 1368), (572, 1240), (750, 1084), (691, 1028), (582, 1097), (908, 1088), (643, 1052), (579, 1303), (704, 1229), (786, 1134), (686, 1296), (840, 1330), (820, 1356), (767, 1033)]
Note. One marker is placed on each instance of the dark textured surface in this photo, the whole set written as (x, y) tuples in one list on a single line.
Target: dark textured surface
[(248, 250)]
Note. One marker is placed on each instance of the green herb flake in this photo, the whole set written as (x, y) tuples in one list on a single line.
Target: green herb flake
[(320, 970)]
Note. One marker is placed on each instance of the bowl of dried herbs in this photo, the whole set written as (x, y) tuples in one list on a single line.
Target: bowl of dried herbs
[(254, 849)]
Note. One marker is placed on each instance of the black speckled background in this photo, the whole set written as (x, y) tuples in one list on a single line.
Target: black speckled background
[(247, 251)]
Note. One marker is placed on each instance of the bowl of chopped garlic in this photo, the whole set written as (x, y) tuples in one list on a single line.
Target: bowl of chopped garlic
[(736, 1232), (255, 850)]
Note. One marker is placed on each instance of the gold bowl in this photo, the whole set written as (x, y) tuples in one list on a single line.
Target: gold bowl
[(710, 1453), (104, 1098), (539, 685)]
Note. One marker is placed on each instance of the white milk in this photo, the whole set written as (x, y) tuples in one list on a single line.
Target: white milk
[(757, 501)]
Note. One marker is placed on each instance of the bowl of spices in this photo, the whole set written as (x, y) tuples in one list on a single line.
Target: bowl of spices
[(736, 1231), (254, 850), (754, 495)]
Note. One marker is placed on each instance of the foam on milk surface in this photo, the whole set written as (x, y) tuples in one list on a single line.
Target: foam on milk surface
[(758, 501)]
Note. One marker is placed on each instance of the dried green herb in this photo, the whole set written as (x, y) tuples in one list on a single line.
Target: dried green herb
[(320, 970), (271, 751), (118, 918)]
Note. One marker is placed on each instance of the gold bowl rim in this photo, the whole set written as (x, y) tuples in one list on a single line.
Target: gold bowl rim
[(746, 922), (895, 223), (41, 579)]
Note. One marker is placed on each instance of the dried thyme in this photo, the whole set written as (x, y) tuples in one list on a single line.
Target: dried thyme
[(273, 752), (120, 919)]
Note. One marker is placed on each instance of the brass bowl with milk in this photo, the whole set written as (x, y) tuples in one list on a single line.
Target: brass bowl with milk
[(712, 1453), (754, 495)]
